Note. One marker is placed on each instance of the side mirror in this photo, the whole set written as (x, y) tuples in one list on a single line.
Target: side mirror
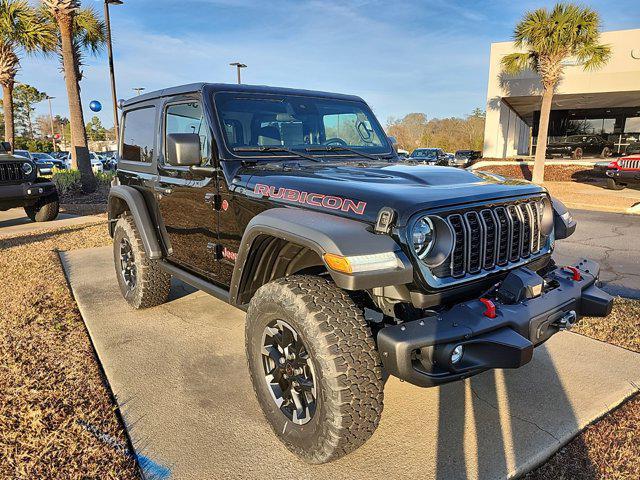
[(5, 146), (394, 143), (183, 149)]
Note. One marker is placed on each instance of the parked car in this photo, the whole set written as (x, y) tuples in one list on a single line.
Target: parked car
[(351, 266), (632, 149), (402, 154), (20, 186), (23, 153), (45, 157), (428, 156), (623, 171), (576, 146), (464, 158), (96, 164)]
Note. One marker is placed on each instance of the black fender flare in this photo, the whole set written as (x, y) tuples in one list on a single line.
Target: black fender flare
[(138, 208), (323, 233)]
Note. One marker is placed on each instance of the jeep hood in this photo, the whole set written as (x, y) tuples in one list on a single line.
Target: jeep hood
[(360, 192)]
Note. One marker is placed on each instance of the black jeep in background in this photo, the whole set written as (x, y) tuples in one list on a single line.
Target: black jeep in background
[(20, 186), (293, 206), (577, 146)]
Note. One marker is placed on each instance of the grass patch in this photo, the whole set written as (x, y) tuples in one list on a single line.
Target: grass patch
[(50, 381)]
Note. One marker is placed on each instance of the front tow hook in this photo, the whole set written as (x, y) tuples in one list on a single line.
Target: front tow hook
[(567, 321)]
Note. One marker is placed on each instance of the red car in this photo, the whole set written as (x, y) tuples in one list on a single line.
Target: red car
[(623, 171)]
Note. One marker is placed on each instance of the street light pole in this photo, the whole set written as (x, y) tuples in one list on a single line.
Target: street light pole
[(116, 124), (53, 134), (238, 66)]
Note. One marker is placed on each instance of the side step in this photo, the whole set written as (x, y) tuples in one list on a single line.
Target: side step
[(196, 282)]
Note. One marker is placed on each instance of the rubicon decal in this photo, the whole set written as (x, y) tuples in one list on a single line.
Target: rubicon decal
[(315, 199)]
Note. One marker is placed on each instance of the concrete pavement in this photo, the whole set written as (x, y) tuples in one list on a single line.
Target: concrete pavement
[(611, 239), (15, 222), (178, 372)]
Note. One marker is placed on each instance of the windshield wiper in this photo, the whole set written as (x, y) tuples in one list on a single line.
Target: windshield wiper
[(273, 149), (338, 148)]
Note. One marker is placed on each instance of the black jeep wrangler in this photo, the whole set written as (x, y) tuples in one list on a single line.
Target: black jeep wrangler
[(20, 186), (293, 206)]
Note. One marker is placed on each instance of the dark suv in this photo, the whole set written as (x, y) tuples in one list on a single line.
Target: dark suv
[(576, 146), (20, 186), (292, 205)]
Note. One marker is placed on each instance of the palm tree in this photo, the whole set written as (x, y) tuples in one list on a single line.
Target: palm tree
[(548, 38), (78, 30), (22, 29)]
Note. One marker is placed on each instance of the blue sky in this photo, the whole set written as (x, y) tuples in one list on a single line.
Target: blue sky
[(426, 56)]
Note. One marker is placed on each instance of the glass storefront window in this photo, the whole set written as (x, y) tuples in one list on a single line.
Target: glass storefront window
[(632, 125)]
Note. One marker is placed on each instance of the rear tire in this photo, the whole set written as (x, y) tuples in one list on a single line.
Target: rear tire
[(577, 154), (606, 152), (613, 185), (341, 366), (45, 210), (142, 282)]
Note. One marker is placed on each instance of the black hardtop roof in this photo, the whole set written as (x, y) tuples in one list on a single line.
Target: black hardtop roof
[(220, 87)]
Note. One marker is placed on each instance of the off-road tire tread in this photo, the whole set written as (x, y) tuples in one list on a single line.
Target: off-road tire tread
[(45, 210), (613, 185), (153, 283), (345, 348)]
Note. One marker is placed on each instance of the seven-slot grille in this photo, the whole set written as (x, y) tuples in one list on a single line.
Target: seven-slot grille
[(629, 163), (484, 238), (11, 172)]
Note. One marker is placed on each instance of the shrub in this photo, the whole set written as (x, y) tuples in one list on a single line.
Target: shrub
[(68, 181)]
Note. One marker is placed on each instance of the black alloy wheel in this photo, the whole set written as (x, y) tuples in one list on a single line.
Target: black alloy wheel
[(288, 372), (127, 264)]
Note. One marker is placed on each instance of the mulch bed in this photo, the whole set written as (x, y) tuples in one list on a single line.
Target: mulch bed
[(55, 406), (552, 173)]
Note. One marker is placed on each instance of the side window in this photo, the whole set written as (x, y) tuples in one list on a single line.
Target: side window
[(188, 118), (139, 135)]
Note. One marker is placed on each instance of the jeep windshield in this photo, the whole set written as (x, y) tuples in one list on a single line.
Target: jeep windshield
[(258, 125)]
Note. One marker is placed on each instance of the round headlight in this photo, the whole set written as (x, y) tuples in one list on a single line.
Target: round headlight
[(456, 354), (26, 168), (546, 225), (423, 236)]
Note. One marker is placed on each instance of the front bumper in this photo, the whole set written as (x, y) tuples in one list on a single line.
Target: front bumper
[(624, 176), (420, 351), (19, 195)]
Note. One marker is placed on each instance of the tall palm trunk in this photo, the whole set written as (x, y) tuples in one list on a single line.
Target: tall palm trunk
[(7, 106), (543, 130), (79, 149)]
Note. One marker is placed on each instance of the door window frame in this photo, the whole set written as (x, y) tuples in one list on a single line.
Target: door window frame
[(163, 152)]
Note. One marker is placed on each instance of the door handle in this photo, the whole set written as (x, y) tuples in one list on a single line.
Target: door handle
[(162, 190)]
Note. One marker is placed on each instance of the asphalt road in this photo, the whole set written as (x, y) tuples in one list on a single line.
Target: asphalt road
[(613, 240)]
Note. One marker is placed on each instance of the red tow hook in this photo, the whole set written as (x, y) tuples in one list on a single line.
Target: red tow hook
[(490, 312), (576, 273)]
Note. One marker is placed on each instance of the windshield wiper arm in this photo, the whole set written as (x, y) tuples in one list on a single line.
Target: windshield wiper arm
[(336, 148), (273, 149)]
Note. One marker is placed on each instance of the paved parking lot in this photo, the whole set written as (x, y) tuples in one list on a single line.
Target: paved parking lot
[(16, 222), (613, 240), (179, 375)]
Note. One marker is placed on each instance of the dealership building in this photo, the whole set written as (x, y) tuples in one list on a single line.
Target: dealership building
[(604, 102)]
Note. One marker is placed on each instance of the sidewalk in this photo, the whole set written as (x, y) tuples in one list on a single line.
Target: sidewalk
[(594, 196)]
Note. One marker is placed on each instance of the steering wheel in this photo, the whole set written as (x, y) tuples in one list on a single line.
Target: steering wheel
[(335, 141)]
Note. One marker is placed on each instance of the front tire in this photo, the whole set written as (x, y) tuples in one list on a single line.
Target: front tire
[(45, 210), (606, 152), (337, 378), (612, 185), (142, 282), (577, 154)]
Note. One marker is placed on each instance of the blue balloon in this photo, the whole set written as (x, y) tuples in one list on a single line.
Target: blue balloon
[(95, 106)]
